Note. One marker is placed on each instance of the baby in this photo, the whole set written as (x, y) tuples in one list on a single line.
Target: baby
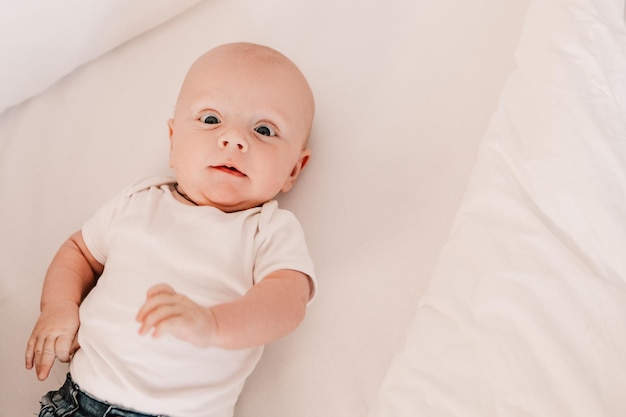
[(177, 283)]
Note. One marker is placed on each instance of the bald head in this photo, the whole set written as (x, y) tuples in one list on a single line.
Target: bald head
[(249, 64)]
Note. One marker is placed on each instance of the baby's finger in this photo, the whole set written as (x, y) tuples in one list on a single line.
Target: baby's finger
[(44, 358), (75, 345), (166, 326), (63, 348), (155, 317), (149, 305), (153, 302), (160, 289), (30, 352)]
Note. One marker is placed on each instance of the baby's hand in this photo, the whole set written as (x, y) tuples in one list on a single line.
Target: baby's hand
[(166, 311), (54, 336)]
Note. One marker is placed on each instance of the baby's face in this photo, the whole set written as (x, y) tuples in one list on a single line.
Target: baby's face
[(240, 127)]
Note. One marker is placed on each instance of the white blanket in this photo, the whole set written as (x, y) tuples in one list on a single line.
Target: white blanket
[(41, 42), (526, 312)]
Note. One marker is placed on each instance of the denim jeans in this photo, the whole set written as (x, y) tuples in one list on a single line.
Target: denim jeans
[(71, 401)]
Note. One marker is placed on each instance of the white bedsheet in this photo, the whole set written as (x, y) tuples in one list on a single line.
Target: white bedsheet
[(404, 92), (526, 312)]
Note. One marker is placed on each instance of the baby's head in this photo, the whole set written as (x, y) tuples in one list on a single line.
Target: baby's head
[(240, 128)]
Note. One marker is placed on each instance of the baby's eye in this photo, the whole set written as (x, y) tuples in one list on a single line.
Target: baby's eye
[(265, 130), (209, 119)]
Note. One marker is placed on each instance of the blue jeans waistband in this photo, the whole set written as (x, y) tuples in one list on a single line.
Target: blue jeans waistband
[(80, 404)]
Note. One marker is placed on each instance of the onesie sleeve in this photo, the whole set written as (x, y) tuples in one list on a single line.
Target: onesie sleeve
[(96, 231), (281, 244)]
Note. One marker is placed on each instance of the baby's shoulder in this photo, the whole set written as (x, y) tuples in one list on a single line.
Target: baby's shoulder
[(271, 216)]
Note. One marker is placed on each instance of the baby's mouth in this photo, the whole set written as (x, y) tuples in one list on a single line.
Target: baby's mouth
[(229, 170)]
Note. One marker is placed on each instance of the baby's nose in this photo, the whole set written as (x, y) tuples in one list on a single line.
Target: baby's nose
[(233, 142)]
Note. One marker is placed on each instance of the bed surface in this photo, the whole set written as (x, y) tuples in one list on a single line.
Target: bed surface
[(405, 93)]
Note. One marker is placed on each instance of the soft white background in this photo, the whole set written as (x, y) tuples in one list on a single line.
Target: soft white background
[(404, 91), (526, 311)]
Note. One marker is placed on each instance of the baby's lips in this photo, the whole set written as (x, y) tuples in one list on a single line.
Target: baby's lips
[(230, 169)]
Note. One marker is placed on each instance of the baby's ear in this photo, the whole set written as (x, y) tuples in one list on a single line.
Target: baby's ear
[(297, 169), (170, 127)]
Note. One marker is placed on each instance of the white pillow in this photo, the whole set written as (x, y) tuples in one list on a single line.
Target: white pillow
[(41, 41), (526, 311)]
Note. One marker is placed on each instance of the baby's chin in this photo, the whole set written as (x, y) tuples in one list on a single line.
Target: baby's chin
[(229, 194), (228, 204)]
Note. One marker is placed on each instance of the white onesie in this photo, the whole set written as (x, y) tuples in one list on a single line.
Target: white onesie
[(145, 237)]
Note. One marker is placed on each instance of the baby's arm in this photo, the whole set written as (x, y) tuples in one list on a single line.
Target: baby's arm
[(270, 310), (71, 275)]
